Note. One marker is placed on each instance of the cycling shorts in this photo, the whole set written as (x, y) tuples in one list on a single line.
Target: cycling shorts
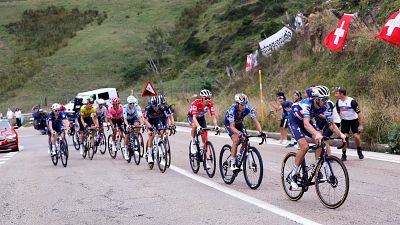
[(284, 123), (348, 125), (130, 122), (297, 128), (200, 120), (88, 121), (327, 131), (117, 122), (238, 126)]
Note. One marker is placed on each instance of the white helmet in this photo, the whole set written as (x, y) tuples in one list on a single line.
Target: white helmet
[(132, 99), (101, 101), (155, 100), (241, 99), (55, 106), (205, 93), (321, 92)]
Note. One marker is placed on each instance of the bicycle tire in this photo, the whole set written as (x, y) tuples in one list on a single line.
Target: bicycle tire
[(168, 149), (193, 160), (286, 169), (247, 167), (332, 181), (103, 144), (54, 158), (209, 159), (141, 140), (224, 165), (91, 146), (161, 156), (113, 153), (76, 141), (136, 150), (64, 153)]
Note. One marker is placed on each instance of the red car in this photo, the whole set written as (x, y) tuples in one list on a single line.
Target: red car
[(8, 136)]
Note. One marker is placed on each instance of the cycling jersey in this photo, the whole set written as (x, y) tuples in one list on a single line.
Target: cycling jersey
[(232, 114), (151, 113), (85, 112), (168, 109), (102, 112), (306, 109), (197, 108), (286, 109), (57, 122), (348, 109), (133, 113), (115, 113)]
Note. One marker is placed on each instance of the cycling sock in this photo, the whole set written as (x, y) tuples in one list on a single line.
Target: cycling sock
[(295, 170), (359, 148), (53, 147), (193, 141)]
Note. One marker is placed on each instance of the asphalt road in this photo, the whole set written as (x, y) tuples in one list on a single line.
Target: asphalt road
[(111, 191)]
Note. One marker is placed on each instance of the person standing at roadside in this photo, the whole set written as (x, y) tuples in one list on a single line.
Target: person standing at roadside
[(352, 119), (10, 115), (17, 115)]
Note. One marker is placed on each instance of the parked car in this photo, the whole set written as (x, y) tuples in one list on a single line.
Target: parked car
[(8, 136)]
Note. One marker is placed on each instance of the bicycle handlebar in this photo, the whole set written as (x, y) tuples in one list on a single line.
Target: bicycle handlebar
[(263, 138), (207, 129), (330, 138)]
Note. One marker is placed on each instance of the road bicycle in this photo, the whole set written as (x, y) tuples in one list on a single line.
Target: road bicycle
[(119, 139), (61, 151), (89, 143), (100, 141), (331, 177), (158, 151), (134, 145)]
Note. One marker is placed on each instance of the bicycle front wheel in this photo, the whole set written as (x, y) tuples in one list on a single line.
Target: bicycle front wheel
[(136, 150), (224, 163), (64, 153), (141, 140), (76, 141), (168, 150), (161, 157), (113, 153), (90, 149), (253, 168), (54, 158), (193, 159), (209, 161), (103, 143), (332, 182), (287, 167)]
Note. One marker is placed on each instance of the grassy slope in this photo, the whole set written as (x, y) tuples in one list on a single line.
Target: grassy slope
[(98, 56)]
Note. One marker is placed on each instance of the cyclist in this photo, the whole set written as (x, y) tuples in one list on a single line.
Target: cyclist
[(297, 96), (88, 118), (169, 110), (132, 114), (301, 126), (198, 109), (101, 112), (115, 119), (57, 123), (234, 123), (153, 115)]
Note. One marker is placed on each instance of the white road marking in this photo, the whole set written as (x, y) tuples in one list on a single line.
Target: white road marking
[(2, 162), (350, 152), (246, 198), (4, 159)]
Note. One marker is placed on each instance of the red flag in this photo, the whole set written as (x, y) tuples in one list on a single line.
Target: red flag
[(391, 30), (336, 38)]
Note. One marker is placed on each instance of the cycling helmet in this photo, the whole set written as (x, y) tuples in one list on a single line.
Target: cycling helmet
[(321, 92), (132, 99), (241, 99), (90, 100), (155, 100), (116, 101), (101, 101), (163, 99), (55, 106), (205, 93)]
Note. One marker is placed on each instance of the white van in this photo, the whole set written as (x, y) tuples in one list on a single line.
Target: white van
[(105, 93)]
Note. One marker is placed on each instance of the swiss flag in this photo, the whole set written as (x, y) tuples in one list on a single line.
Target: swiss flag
[(391, 30), (336, 38)]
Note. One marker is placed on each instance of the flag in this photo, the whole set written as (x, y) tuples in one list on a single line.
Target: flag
[(391, 30), (251, 62), (336, 38)]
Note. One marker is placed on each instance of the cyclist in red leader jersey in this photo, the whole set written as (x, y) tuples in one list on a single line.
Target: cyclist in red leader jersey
[(196, 114)]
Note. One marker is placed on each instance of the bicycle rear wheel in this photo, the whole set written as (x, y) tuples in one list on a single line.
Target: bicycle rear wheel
[(54, 158), (253, 168), (287, 167), (141, 140), (161, 156), (151, 165), (135, 146), (193, 159), (209, 161), (90, 149), (113, 153), (103, 144), (76, 141), (224, 160), (64, 153), (332, 182), (168, 150)]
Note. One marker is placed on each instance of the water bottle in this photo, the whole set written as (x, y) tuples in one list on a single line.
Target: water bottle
[(239, 156)]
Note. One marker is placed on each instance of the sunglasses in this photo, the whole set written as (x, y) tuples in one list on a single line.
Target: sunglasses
[(323, 99), (56, 110), (131, 103), (207, 98)]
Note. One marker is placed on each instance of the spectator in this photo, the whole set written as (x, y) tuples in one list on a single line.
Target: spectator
[(1, 115), (352, 118), (17, 115), (10, 116), (285, 106), (297, 96)]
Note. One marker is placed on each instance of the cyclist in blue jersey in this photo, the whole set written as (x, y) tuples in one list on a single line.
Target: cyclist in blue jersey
[(169, 110), (57, 121), (234, 123), (301, 126), (132, 114)]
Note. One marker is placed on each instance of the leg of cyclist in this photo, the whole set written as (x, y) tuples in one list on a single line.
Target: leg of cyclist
[(234, 131), (127, 131), (81, 134), (194, 124), (151, 132)]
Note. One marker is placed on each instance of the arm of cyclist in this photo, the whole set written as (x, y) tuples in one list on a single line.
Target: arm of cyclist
[(336, 130), (310, 128), (95, 120), (51, 127), (196, 122)]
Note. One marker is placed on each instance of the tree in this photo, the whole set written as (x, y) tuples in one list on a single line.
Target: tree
[(156, 47)]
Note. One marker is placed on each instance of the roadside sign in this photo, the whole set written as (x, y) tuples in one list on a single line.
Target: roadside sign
[(149, 90)]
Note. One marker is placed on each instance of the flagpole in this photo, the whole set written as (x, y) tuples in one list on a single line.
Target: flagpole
[(261, 99)]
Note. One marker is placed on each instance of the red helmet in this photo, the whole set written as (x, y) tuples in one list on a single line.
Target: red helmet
[(62, 108), (116, 101)]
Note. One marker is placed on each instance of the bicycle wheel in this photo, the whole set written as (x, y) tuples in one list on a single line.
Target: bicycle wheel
[(54, 158), (224, 159), (332, 182), (253, 168), (161, 156), (103, 144), (64, 153), (287, 167), (193, 159), (76, 141), (85, 147), (135, 146), (113, 153), (141, 140), (91, 146), (168, 150), (209, 161)]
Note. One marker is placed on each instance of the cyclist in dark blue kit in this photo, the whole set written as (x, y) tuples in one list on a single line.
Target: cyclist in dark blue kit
[(58, 122)]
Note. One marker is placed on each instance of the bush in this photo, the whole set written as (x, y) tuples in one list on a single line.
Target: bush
[(194, 46), (270, 28), (394, 141)]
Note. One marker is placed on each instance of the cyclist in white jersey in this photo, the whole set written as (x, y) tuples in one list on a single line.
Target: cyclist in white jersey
[(352, 119)]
